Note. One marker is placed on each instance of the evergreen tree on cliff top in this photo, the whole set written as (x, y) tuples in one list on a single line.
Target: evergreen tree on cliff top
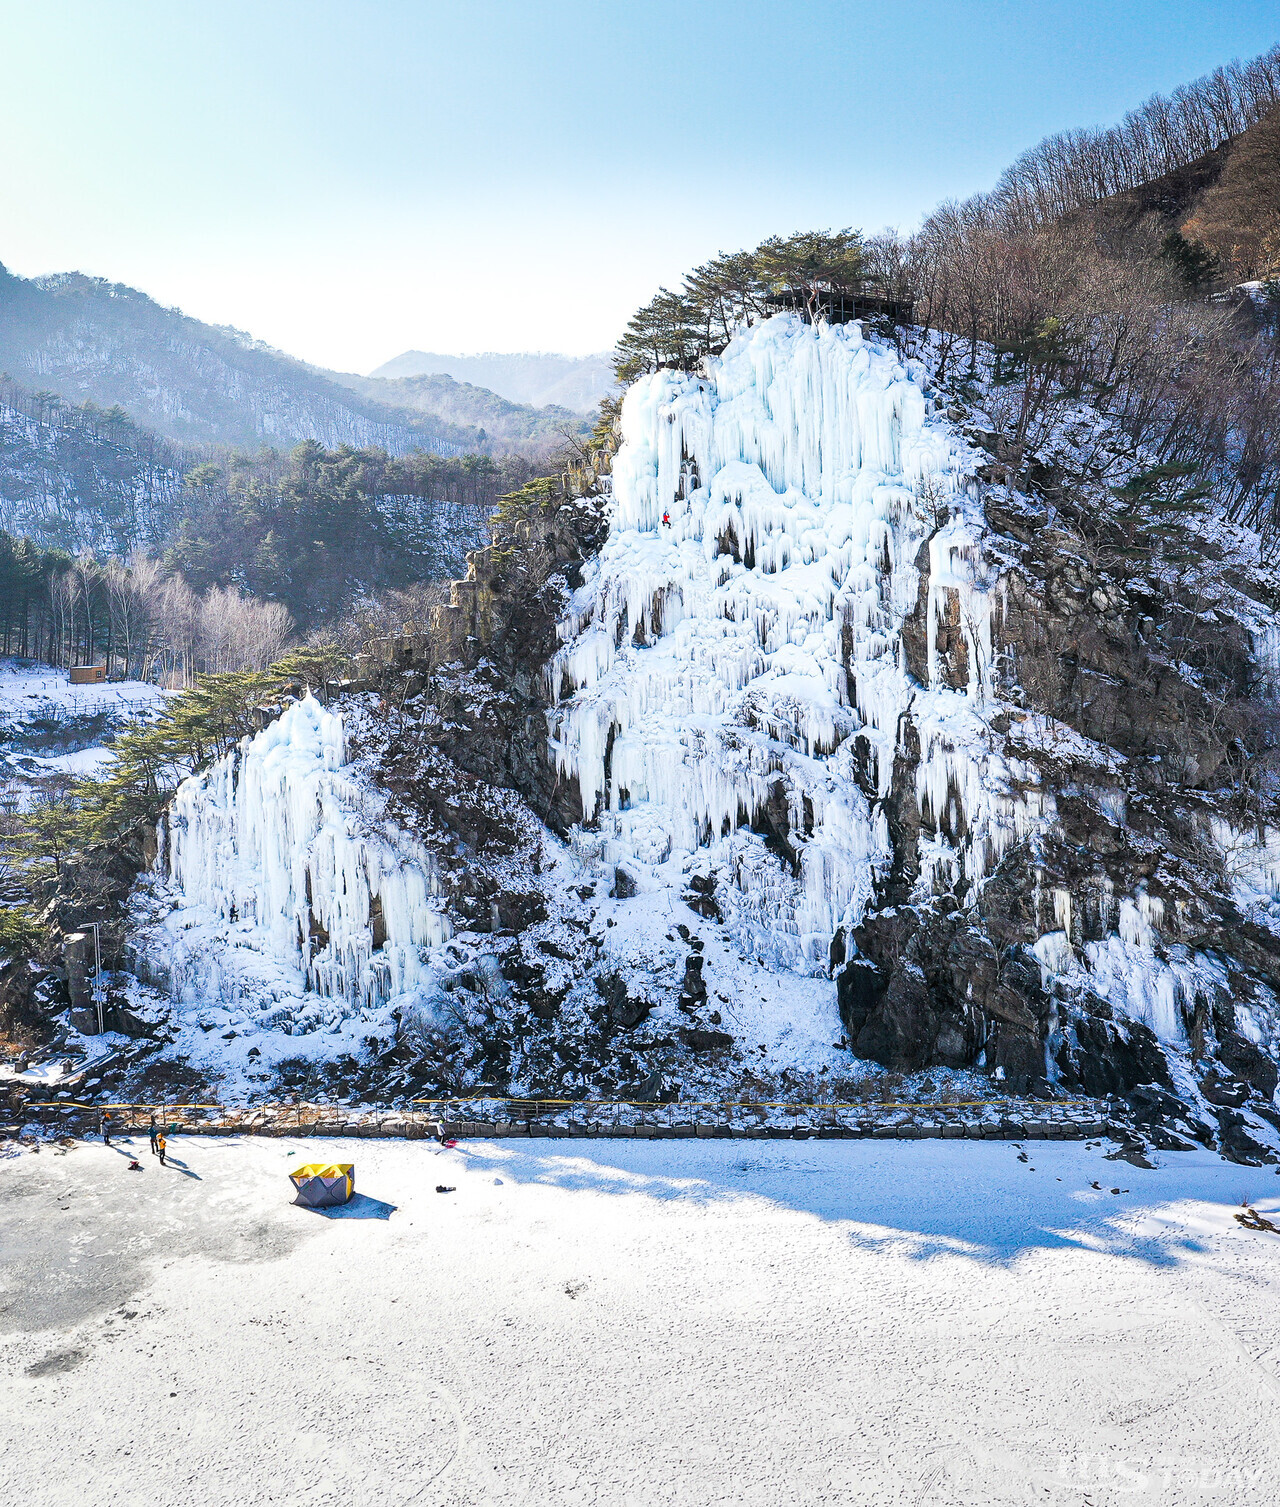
[(678, 328)]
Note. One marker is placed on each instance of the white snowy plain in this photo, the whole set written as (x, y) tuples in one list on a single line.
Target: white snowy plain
[(625, 1324)]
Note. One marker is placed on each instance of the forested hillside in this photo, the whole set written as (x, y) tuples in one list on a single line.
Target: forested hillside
[(90, 340), (319, 529), (306, 534), (223, 498), (81, 477)]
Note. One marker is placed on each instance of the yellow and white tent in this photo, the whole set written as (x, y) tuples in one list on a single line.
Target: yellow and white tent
[(321, 1185)]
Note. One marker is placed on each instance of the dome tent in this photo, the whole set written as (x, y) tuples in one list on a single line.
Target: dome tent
[(322, 1185)]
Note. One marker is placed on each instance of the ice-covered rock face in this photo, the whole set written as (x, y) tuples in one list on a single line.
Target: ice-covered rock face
[(734, 660), (291, 894)]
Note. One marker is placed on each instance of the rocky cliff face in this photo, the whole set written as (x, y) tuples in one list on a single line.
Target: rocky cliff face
[(1126, 939), (972, 727), (841, 735)]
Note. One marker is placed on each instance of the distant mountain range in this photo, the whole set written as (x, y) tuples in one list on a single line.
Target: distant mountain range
[(497, 422), (574, 382), (90, 340)]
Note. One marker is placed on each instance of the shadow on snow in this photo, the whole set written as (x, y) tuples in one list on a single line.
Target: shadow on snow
[(920, 1199)]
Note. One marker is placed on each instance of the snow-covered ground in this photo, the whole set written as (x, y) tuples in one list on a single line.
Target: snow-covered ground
[(29, 691), (52, 732), (631, 1324)]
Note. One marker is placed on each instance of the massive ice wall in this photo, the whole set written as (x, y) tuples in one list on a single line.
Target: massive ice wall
[(733, 675), (291, 893)]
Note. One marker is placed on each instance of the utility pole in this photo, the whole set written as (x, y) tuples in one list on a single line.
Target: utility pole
[(99, 989)]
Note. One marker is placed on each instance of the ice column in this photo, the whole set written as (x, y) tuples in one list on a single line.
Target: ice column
[(280, 836)]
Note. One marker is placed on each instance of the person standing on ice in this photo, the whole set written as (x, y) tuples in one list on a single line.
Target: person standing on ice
[(154, 1133), (104, 1125), (161, 1144), (666, 520)]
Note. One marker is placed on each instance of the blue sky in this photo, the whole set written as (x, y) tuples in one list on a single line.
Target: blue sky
[(350, 178)]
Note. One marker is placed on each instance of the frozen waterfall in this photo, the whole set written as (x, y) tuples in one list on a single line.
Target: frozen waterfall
[(289, 892), (733, 675)]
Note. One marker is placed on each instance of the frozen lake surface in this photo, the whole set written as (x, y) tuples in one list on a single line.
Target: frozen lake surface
[(625, 1324)]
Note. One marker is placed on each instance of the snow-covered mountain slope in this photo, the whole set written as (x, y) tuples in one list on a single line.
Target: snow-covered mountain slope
[(73, 480), (91, 340)]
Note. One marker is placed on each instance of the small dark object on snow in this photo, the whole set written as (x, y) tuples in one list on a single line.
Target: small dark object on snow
[(1252, 1220), (440, 1188), (451, 1141), (134, 1167), (1119, 1190), (1098, 1186), (1023, 1157)]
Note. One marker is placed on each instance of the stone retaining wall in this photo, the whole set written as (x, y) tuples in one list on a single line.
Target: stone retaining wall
[(669, 1122)]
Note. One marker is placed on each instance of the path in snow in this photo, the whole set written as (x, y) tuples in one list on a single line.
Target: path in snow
[(629, 1324)]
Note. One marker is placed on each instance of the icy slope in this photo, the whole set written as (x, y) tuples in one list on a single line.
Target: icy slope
[(735, 661), (292, 901)]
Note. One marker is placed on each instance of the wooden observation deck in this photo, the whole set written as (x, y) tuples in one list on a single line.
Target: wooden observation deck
[(840, 306)]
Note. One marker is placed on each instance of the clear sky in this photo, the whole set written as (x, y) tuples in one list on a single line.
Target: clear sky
[(351, 178)]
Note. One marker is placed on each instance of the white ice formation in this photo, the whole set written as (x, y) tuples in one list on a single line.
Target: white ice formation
[(734, 659), (291, 895)]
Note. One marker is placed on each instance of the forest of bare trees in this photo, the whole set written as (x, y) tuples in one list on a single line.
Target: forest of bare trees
[(1073, 311), (1076, 169), (1238, 219), (140, 620)]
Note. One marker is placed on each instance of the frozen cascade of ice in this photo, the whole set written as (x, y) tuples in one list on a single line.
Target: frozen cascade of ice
[(324, 911), (734, 659)]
